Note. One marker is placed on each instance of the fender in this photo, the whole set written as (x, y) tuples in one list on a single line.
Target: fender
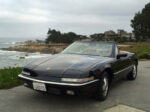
[(98, 70)]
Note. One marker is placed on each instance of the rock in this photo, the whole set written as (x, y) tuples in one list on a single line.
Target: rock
[(26, 55), (22, 57)]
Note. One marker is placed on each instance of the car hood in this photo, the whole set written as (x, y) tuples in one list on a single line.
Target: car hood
[(62, 64)]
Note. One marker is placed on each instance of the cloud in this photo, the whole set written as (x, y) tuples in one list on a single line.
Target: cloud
[(32, 18), (13, 17)]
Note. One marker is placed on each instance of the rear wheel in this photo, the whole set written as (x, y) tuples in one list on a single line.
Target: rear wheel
[(103, 87), (133, 74)]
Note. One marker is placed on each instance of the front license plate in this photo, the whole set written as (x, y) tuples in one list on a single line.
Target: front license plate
[(39, 86)]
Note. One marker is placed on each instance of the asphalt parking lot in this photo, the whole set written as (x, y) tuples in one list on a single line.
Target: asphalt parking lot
[(132, 93)]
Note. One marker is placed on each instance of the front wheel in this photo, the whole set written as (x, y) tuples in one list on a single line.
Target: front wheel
[(103, 87), (132, 75)]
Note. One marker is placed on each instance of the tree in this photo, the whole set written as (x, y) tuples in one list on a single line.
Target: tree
[(58, 37), (53, 36), (141, 24)]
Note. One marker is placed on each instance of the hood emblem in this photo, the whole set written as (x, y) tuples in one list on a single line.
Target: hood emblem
[(48, 68)]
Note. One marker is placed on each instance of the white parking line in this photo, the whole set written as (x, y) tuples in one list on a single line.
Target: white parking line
[(123, 108)]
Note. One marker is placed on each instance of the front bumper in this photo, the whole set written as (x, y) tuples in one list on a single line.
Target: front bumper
[(61, 87)]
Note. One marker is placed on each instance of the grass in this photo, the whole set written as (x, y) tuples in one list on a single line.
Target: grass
[(9, 77), (142, 50)]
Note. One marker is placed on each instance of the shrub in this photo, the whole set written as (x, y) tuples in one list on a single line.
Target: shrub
[(9, 77)]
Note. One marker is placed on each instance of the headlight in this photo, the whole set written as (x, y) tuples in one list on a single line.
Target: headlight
[(25, 73), (77, 80)]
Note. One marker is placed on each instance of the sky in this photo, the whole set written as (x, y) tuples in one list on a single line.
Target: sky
[(32, 18)]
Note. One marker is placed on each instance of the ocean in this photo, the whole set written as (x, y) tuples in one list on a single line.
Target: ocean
[(13, 58)]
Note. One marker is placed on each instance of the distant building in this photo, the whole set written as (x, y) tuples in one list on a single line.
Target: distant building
[(122, 33), (133, 37), (111, 35)]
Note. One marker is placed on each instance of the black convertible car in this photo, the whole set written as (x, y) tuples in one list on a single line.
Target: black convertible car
[(82, 68)]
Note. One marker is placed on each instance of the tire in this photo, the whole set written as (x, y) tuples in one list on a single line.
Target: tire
[(132, 75), (103, 87)]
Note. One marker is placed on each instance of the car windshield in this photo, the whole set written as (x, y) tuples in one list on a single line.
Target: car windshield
[(89, 48)]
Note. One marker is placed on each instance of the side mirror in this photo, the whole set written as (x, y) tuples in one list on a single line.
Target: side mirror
[(121, 55)]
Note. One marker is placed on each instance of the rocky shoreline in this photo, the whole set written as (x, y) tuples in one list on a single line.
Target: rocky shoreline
[(44, 48), (141, 49)]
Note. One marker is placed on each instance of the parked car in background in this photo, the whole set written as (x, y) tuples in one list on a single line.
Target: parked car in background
[(82, 68)]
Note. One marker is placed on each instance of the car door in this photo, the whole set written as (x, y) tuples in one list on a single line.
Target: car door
[(120, 65)]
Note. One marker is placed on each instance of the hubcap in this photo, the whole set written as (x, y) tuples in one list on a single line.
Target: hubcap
[(105, 86), (134, 71)]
